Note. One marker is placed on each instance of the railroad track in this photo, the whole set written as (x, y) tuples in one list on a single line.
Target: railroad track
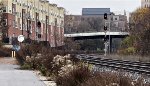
[(139, 67)]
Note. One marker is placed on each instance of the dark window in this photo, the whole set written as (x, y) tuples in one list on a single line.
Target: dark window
[(115, 18), (39, 24)]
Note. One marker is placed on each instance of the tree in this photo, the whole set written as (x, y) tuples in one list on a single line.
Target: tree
[(84, 27), (90, 24), (3, 21), (140, 31), (83, 24), (96, 23), (68, 24), (71, 45)]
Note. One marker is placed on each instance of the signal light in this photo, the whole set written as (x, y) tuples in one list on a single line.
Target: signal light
[(105, 39), (105, 28), (105, 16)]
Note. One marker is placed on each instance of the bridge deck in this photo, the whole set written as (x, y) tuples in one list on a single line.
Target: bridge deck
[(97, 34)]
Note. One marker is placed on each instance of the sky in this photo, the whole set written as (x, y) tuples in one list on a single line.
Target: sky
[(118, 6)]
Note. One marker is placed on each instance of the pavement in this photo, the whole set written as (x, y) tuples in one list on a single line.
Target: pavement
[(11, 75)]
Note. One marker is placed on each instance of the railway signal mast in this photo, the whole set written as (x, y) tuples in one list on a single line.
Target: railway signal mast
[(105, 37)]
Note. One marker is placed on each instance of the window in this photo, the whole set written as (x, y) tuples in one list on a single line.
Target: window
[(13, 23), (16, 25), (4, 10), (115, 18), (20, 14)]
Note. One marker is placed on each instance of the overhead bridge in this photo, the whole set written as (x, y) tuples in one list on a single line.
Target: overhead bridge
[(98, 35), (95, 35)]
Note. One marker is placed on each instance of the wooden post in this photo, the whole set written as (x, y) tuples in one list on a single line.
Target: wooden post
[(13, 54)]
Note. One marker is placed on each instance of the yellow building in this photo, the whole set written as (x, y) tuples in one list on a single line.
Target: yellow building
[(35, 19)]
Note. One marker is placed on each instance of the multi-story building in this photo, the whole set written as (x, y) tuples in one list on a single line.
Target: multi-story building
[(95, 11), (95, 16), (35, 19), (145, 3)]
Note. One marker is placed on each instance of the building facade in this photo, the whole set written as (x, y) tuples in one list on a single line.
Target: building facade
[(145, 3), (35, 19)]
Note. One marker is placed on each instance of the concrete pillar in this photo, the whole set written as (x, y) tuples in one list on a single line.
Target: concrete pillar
[(110, 50)]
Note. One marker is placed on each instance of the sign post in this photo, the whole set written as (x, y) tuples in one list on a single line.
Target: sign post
[(16, 47)]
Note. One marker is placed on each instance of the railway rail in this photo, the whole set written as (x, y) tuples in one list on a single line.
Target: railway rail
[(137, 66)]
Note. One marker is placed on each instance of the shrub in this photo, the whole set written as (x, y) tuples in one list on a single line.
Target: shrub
[(21, 57), (46, 63), (5, 52), (1, 44), (128, 51), (75, 77), (25, 66), (31, 51)]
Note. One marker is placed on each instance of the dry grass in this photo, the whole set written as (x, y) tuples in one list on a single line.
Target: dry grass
[(83, 77)]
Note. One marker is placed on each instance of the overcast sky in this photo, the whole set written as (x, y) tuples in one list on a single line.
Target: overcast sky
[(75, 6)]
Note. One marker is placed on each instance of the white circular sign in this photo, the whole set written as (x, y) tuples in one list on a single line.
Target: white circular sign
[(20, 38)]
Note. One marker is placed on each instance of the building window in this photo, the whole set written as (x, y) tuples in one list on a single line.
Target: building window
[(14, 23), (4, 9), (115, 18)]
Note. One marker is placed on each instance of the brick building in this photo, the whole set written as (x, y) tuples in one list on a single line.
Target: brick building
[(37, 19)]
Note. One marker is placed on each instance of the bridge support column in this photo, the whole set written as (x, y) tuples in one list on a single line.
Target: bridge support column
[(110, 50)]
